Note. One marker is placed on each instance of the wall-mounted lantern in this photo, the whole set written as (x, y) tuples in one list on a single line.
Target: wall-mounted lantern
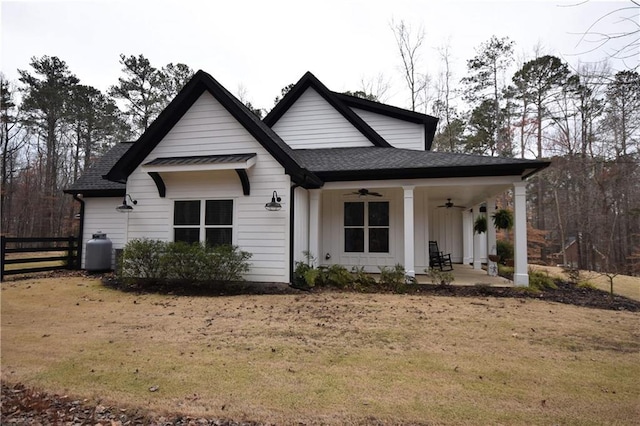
[(124, 207), (274, 204)]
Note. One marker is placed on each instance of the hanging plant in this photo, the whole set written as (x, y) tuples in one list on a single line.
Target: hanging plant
[(480, 225), (503, 219)]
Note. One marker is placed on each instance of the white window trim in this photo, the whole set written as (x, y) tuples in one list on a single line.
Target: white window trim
[(202, 227), (366, 228)]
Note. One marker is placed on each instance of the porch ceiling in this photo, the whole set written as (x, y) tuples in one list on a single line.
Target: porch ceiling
[(465, 192)]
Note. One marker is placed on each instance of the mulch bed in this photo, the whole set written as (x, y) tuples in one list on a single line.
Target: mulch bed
[(21, 405), (24, 406)]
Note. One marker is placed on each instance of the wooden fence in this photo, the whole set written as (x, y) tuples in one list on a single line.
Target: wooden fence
[(38, 245)]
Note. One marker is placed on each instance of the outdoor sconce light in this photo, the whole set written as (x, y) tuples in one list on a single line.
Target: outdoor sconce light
[(124, 207), (274, 204)]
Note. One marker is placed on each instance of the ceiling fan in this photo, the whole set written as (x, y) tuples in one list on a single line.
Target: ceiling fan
[(450, 204), (364, 192)]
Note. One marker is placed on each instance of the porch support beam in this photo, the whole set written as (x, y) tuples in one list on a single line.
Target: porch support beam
[(477, 241), (314, 224), (520, 272), (467, 237), (409, 227), (491, 230)]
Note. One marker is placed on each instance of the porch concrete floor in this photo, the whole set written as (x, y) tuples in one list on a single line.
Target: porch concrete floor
[(466, 275)]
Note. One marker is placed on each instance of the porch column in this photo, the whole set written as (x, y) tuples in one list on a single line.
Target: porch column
[(477, 240), (467, 237), (314, 225), (409, 227), (520, 272), (491, 230)]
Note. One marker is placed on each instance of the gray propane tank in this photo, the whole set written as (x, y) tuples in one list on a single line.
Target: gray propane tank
[(98, 255)]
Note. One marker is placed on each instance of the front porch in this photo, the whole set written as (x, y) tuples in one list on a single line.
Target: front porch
[(405, 219), (467, 275)]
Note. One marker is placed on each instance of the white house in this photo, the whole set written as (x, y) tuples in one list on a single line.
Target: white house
[(355, 180)]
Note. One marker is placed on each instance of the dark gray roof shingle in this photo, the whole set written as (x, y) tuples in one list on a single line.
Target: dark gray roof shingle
[(379, 162), (91, 181)]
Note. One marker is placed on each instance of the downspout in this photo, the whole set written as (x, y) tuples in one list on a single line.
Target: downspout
[(292, 209), (81, 230)]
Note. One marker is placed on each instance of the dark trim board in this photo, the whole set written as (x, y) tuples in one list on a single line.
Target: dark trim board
[(157, 179), (244, 180)]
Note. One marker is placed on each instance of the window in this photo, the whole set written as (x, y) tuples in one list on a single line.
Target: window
[(366, 227), (212, 224)]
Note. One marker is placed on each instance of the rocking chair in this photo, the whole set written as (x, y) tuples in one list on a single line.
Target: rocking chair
[(439, 259)]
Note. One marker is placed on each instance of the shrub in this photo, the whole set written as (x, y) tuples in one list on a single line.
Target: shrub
[(336, 276), (539, 281), (587, 284), (305, 272), (505, 271), (142, 258), (187, 262), (228, 263), (178, 261), (504, 249), (573, 274), (440, 277), (361, 280), (393, 278)]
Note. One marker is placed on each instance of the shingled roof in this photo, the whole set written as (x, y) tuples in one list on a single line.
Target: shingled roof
[(376, 163), (202, 82), (309, 168), (92, 184)]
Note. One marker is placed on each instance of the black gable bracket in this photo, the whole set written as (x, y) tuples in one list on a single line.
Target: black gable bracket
[(157, 179), (244, 179)]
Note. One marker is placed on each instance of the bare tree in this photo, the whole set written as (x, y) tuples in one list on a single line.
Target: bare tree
[(622, 44), (409, 43), (377, 86)]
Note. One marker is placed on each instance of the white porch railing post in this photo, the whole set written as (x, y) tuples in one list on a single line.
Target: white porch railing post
[(314, 224), (520, 272), (409, 231)]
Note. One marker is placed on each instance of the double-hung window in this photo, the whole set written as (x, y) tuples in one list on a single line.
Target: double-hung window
[(366, 227), (207, 221)]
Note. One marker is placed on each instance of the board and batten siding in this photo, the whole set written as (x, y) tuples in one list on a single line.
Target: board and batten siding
[(100, 215), (399, 133), (445, 227), (207, 128), (311, 122), (332, 231)]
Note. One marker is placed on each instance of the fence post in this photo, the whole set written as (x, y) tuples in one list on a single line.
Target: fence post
[(2, 254), (70, 253)]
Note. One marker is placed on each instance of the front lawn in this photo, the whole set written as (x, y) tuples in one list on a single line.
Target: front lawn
[(329, 357)]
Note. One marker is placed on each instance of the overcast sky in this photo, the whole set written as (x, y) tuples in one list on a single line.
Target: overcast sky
[(266, 45)]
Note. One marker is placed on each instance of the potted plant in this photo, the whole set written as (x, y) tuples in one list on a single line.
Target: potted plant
[(480, 225), (503, 219)]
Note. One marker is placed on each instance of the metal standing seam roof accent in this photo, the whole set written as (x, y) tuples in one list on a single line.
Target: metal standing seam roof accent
[(200, 159)]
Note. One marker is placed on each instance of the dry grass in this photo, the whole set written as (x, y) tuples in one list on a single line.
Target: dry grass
[(623, 285), (325, 358)]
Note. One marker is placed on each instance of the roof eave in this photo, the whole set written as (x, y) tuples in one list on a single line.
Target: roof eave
[(96, 193), (432, 172)]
